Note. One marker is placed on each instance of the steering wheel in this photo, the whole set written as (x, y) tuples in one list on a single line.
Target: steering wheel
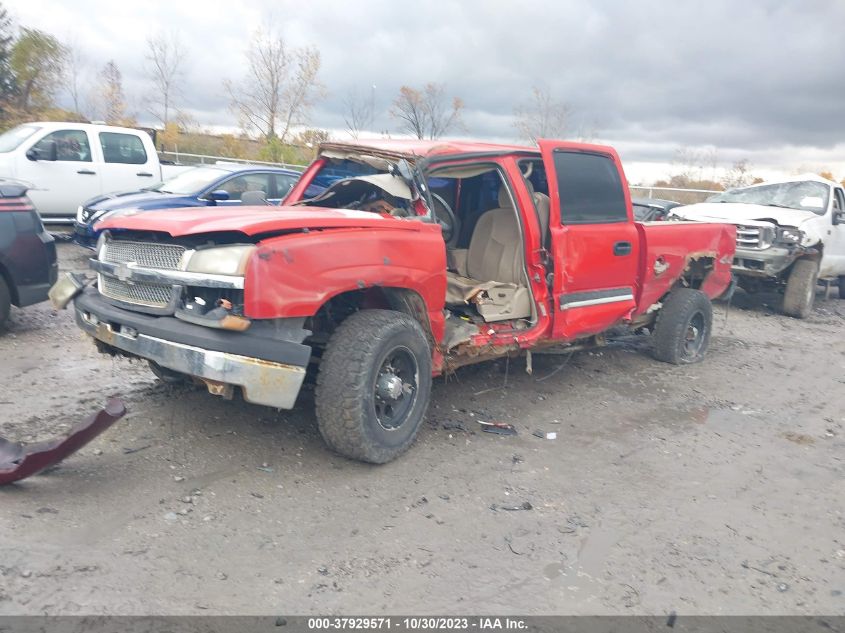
[(445, 217)]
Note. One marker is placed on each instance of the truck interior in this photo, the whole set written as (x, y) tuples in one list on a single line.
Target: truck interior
[(487, 281)]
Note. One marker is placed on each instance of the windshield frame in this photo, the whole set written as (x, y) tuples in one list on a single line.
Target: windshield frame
[(776, 195), (14, 136)]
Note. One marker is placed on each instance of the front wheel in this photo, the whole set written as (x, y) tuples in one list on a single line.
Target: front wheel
[(373, 386), (800, 290), (682, 332)]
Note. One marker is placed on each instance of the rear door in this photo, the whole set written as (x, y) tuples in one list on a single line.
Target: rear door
[(127, 163), (594, 241)]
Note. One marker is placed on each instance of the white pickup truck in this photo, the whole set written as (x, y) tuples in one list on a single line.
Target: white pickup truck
[(68, 163), (790, 235)]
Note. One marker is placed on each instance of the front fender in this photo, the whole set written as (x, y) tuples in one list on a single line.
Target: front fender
[(294, 275)]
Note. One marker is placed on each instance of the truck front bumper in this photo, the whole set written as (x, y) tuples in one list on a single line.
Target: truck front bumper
[(269, 368), (769, 262)]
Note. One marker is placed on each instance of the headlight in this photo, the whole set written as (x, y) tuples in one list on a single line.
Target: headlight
[(790, 236), (225, 260)]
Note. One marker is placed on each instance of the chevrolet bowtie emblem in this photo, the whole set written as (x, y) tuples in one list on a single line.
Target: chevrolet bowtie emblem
[(122, 272)]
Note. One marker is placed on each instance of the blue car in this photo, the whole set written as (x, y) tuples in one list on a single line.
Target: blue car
[(204, 186)]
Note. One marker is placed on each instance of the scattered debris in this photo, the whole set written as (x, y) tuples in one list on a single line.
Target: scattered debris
[(171, 517), (19, 461), (128, 450), (525, 505), (543, 435), (499, 428), (782, 586), (264, 468)]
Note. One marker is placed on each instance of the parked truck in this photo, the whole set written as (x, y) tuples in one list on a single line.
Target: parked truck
[(403, 261), (65, 164), (790, 235)]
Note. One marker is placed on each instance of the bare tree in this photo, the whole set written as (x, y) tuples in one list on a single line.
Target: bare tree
[(73, 72), (739, 175), (112, 99), (427, 113), (280, 88), (165, 60), (360, 111), (542, 116)]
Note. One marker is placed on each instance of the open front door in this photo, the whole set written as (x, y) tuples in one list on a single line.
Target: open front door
[(594, 241)]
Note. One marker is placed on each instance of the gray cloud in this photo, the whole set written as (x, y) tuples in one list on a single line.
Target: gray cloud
[(748, 78)]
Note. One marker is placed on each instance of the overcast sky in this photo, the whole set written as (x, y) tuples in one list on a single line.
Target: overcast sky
[(761, 80)]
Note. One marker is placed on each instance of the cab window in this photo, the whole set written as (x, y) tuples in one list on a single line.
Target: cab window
[(590, 188), (122, 148), (71, 145)]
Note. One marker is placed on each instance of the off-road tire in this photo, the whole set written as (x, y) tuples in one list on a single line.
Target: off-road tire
[(801, 288), (167, 375), (842, 286), (686, 312), (5, 303), (346, 399)]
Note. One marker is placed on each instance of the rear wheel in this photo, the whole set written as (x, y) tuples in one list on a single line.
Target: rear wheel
[(682, 332), (373, 386), (842, 286), (801, 289), (5, 303)]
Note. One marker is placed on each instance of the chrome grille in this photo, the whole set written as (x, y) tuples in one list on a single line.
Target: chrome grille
[(151, 295), (755, 237), (144, 254)]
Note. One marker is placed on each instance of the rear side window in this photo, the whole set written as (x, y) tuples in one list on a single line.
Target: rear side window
[(590, 188), (122, 148)]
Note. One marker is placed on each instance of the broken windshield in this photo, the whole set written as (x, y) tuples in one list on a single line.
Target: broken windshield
[(806, 195)]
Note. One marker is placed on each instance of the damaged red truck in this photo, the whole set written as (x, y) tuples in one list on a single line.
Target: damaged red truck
[(391, 262)]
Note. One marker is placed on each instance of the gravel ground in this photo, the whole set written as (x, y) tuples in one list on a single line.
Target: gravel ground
[(709, 489)]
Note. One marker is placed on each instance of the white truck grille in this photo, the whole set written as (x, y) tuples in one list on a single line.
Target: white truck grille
[(754, 237)]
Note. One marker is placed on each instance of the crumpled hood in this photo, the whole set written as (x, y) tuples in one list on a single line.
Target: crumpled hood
[(739, 212), (252, 220)]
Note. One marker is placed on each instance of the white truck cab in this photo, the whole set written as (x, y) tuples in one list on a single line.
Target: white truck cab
[(790, 233), (68, 163)]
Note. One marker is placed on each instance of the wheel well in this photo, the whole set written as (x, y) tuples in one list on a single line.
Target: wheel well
[(337, 309), (13, 290)]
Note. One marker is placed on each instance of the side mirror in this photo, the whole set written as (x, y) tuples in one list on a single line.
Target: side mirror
[(218, 195), (838, 216), (32, 153)]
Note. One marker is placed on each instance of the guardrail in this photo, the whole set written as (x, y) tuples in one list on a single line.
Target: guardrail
[(678, 194), (205, 159)]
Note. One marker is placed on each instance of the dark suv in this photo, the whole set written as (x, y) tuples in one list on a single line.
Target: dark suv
[(28, 264)]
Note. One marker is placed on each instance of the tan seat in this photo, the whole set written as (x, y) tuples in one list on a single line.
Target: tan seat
[(543, 205), (493, 272)]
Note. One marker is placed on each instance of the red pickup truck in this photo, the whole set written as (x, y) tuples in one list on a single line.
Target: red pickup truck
[(394, 261)]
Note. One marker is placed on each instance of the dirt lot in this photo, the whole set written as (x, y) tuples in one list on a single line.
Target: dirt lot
[(715, 488)]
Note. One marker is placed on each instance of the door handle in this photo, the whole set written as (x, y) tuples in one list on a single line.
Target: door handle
[(622, 248), (145, 174), (87, 172)]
